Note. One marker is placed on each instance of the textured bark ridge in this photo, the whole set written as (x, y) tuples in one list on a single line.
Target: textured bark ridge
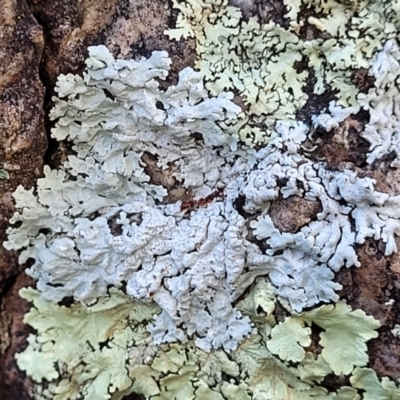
[(22, 147), (23, 139), (39, 39)]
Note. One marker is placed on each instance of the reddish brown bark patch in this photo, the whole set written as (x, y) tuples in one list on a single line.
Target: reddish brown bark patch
[(292, 213), (362, 79), (69, 27), (342, 145), (165, 178)]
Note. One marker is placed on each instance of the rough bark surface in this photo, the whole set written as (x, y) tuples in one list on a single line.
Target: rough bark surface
[(41, 39), (22, 147)]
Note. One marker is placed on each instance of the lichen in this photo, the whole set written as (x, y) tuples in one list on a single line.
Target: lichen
[(4, 174), (260, 60), (103, 351), (171, 299), (382, 102), (188, 266)]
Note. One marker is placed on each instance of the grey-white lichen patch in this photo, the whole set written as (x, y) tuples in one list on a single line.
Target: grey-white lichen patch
[(189, 264), (193, 263), (351, 211), (383, 104)]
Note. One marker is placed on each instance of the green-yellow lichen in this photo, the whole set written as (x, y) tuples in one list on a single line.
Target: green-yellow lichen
[(103, 351), (261, 60)]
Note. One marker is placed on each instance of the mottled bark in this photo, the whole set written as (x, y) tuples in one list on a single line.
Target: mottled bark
[(22, 147)]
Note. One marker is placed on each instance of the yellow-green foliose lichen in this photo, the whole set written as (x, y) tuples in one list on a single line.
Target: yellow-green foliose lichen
[(261, 60), (104, 351)]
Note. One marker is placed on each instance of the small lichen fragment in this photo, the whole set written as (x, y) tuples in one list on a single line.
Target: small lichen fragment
[(4, 174)]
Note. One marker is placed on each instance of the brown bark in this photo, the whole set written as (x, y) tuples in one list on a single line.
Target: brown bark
[(22, 146)]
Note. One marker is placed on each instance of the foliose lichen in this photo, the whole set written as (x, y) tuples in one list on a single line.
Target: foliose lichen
[(261, 60), (105, 351), (177, 300)]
